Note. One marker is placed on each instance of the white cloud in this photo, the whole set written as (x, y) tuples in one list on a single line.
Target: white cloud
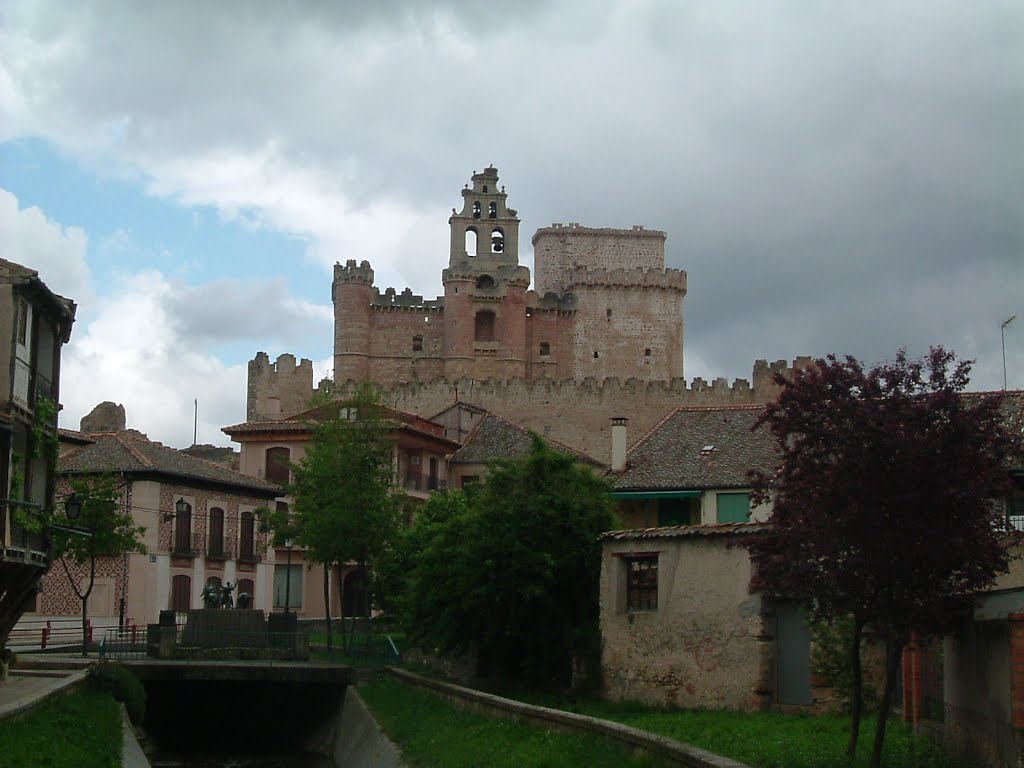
[(56, 252), (132, 354)]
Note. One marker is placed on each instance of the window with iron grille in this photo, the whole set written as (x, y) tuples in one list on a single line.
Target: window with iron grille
[(642, 583)]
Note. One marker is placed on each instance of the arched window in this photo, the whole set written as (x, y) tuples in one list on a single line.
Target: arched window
[(215, 547), (492, 211), (497, 241), (471, 238), (485, 281), (485, 325), (277, 469), (247, 538), (476, 209), (183, 531), (181, 593)]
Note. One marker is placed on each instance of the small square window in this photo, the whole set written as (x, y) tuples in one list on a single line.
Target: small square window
[(417, 343), (596, 355), (647, 352), (545, 348)]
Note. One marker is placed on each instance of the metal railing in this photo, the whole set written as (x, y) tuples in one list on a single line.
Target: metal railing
[(48, 633), (29, 385), (420, 481), (221, 550), (190, 545), (184, 642)]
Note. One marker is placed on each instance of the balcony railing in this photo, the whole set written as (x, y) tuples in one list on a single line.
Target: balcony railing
[(249, 552), (29, 386), (221, 550), (419, 481), (189, 546)]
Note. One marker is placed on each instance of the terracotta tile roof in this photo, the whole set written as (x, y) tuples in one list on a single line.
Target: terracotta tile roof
[(132, 453), (495, 438), (680, 531), (74, 436), (709, 447), (299, 424)]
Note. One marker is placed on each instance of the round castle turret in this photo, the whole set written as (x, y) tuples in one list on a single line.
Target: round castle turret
[(352, 292)]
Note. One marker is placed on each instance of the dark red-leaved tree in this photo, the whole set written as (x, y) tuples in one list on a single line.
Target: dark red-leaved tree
[(883, 505)]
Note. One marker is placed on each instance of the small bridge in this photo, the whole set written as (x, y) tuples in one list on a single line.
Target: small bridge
[(275, 707)]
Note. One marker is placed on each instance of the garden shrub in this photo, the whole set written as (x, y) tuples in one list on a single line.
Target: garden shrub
[(123, 685)]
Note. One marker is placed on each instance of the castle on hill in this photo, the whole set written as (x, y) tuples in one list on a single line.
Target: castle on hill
[(600, 335)]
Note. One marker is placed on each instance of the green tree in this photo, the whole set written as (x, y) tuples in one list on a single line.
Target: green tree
[(105, 527), (512, 572), (882, 508), (345, 502)]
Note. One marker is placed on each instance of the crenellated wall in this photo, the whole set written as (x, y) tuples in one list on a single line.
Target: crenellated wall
[(281, 388)]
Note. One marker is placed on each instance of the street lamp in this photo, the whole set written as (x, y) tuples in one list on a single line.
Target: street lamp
[(1002, 338), (73, 506)]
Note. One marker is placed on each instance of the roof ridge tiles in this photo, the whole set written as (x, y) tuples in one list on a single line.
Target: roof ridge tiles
[(139, 456)]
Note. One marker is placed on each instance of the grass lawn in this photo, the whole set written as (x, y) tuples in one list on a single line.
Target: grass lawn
[(81, 729), (434, 734), (766, 739)]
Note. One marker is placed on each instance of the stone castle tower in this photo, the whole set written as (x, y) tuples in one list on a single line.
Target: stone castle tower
[(604, 305), (600, 335)]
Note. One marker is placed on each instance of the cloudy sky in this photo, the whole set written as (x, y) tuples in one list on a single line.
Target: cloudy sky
[(839, 177)]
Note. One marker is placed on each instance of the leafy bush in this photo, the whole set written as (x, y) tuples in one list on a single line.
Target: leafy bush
[(124, 686)]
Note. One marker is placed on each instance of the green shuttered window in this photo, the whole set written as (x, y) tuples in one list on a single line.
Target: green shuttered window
[(733, 507)]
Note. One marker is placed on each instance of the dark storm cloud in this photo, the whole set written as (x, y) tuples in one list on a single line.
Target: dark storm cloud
[(834, 177)]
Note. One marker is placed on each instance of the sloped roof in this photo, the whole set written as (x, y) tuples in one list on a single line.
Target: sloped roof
[(300, 423), (15, 274), (131, 452), (495, 438), (698, 448)]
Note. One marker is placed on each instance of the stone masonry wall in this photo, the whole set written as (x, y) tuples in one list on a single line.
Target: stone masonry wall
[(282, 387), (622, 330), (559, 249), (706, 645), (578, 413)]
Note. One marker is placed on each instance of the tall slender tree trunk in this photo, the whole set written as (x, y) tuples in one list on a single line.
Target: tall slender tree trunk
[(893, 649), (857, 690), (327, 604)]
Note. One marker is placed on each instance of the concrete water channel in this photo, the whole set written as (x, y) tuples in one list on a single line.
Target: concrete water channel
[(207, 714), (229, 714)]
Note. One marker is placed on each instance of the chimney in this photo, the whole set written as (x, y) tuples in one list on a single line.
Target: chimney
[(619, 443)]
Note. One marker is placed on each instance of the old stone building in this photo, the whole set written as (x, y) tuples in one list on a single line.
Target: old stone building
[(604, 305), (600, 335)]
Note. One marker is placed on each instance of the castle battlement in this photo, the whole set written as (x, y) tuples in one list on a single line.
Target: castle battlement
[(405, 300), (577, 229), (350, 273), (672, 279)]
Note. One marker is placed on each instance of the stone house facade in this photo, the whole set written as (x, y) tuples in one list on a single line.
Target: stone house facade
[(34, 324), (215, 537), (268, 448)]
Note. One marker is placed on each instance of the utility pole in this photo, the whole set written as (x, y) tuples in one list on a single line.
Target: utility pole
[(1002, 338), (195, 419)]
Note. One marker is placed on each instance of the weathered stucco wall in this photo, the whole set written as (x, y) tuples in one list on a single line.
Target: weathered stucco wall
[(704, 646)]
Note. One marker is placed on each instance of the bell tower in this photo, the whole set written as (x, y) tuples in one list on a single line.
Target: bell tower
[(485, 233), (484, 286)]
